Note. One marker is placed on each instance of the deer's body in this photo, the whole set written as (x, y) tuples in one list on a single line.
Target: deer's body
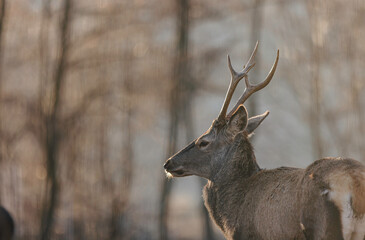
[(280, 208), (256, 212), (325, 201)]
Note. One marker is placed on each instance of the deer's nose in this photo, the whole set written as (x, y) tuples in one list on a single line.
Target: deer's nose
[(167, 163)]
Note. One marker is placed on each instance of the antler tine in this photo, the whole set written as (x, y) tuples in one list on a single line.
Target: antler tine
[(252, 57), (235, 79), (252, 88)]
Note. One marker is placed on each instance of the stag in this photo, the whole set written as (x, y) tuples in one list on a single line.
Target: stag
[(6, 225), (326, 200)]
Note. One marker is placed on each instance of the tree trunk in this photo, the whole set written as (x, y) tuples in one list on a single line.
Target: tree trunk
[(2, 19), (179, 76), (52, 140), (120, 201), (44, 50)]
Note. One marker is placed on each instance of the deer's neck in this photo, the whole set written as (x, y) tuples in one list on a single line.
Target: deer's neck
[(221, 191), (240, 162)]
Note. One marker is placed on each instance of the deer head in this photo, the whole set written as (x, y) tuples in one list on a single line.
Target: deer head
[(208, 153)]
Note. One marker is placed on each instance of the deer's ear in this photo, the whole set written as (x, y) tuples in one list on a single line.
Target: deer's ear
[(255, 121), (238, 121)]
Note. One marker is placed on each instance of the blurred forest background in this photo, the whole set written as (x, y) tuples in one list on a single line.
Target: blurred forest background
[(96, 94)]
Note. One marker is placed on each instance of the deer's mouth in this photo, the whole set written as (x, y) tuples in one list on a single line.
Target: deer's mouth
[(173, 170), (177, 173)]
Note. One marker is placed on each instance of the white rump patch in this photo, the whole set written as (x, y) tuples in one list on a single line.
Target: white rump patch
[(347, 218), (340, 194)]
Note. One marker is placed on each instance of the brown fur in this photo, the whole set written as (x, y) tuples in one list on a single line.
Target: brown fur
[(343, 176), (284, 203), (358, 198), (325, 201)]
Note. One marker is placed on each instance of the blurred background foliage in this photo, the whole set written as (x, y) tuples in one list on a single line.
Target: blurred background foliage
[(96, 94)]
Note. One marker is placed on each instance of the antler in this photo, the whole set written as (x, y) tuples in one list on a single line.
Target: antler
[(235, 79), (252, 88)]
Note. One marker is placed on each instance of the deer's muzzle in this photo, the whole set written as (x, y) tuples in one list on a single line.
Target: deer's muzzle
[(174, 171)]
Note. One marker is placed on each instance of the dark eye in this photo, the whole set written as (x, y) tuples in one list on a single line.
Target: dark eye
[(203, 144)]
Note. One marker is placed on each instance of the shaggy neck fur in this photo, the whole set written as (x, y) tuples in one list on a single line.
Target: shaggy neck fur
[(240, 161), (219, 193)]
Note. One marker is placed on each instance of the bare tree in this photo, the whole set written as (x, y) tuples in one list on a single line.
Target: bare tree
[(180, 74), (44, 49), (2, 20), (52, 133), (121, 191)]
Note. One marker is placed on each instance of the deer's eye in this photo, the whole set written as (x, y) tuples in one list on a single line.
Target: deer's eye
[(203, 144)]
